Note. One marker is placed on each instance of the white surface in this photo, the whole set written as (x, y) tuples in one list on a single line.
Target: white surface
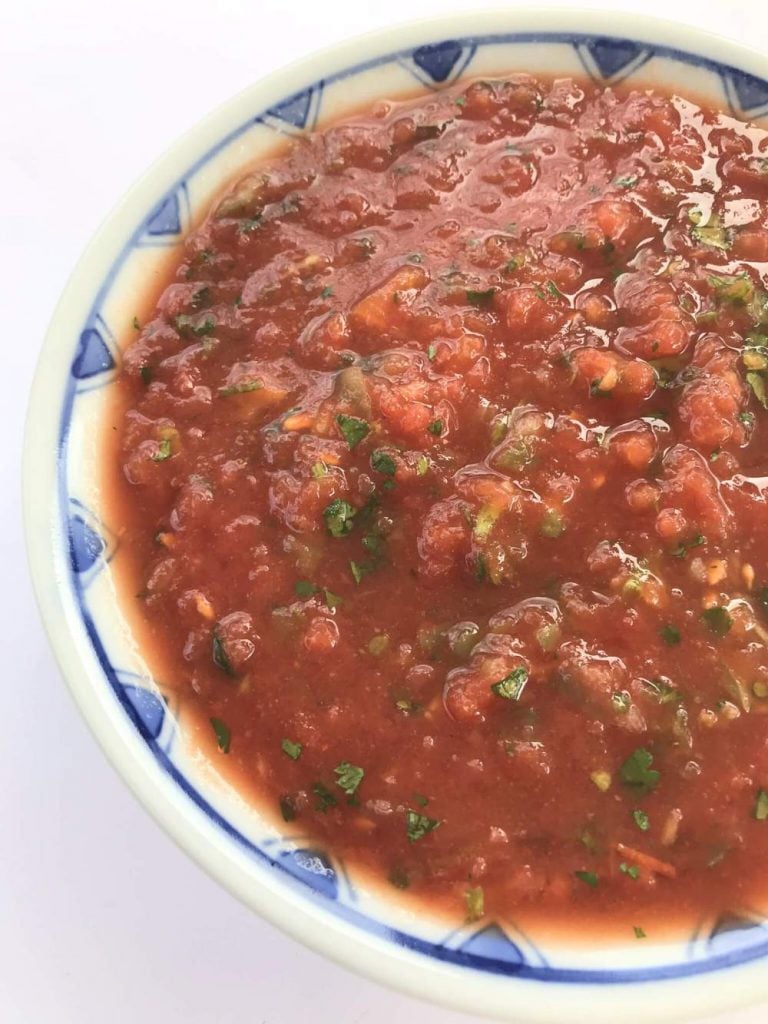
[(101, 918)]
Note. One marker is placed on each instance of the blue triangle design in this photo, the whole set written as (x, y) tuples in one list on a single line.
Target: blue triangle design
[(93, 356), (294, 110), (150, 710), (85, 545), (751, 92), (613, 55), (166, 218), (438, 59), (314, 869), (728, 933), (492, 944)]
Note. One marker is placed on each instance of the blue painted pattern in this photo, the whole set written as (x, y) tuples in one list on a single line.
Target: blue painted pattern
[(488, 948)]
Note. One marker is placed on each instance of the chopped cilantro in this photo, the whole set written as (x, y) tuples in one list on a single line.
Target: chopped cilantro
[(332, 600), (480, 298), (475, 901), (588, 878), (219, 654), (242, 388), (713, 234), (163, 451), (378, 644), (511, 686), (636, 771), (383, 463), (319, 470), (621, 701), (304, 589), (553, 290), (435, 427), (325, 797), (717, 619), (353, 429), (641, 819), (757, 383), (760, 811), (287, 808), (293, 750), (407, 706), (360, 570), (327, 292), (460, 101), (628, 182), (418, 825), (431, 352), (670, 635), (747, 418), (399, 878), (422, 465), (349, 777), (630, 869), (338, 517), (685, 546), (223, 735), (639, 933), (191, 325)]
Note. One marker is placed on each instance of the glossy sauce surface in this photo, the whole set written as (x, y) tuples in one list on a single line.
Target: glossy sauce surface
[(442, 464)]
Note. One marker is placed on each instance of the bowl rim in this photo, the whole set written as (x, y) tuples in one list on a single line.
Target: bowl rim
[(309, 923)]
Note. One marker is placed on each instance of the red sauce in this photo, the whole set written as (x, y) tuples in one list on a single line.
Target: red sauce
[(442, 460)]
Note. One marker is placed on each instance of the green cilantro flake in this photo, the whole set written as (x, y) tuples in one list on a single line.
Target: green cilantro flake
[(304, 589), (639, 933), (293, 750), (435, 427), (628, 182), (588, 878), (717, 619), (383, 463), (332, 600), (349, 777), (511, 686), (630, 869), (475, 901), (163, 451), (637, 772), (418, 825), (353, 429), (431, 352), (325, 797), (670, 635), (327, 292), (223, 735), (338, 517), (360, 570), (219, 654), (480, 298), (641, 819), (761, 805), (319, 470), (287, 808), (243, 388)]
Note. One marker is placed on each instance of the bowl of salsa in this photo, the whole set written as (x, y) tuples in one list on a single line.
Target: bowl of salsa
[(395, 499)]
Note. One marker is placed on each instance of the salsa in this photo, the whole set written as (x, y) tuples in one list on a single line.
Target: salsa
[(442, 461)]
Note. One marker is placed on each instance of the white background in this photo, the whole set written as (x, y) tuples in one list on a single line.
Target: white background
[(102, 919)]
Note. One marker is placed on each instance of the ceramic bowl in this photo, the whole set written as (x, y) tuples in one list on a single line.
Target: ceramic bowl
[(489, 968)]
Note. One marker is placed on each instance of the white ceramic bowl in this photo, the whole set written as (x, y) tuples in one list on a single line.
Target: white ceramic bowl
[(483, 968)]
